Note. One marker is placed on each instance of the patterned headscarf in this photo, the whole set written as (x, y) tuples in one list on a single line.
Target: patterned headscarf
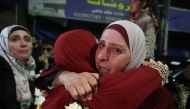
[(23, 71), (135, 39)]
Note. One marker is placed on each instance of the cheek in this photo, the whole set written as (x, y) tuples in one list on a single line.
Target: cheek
[(134, 7), (96, 56), (13, 49), (120, 63)]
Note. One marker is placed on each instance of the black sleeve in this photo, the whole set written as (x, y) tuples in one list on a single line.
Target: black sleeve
[(46, 82), (188, 103)]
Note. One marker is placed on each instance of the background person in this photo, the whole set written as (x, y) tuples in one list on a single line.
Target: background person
[(181, 90), (46, 56), (145, 14), (185, 54), (165, 53), (36, 52), (17, 68)]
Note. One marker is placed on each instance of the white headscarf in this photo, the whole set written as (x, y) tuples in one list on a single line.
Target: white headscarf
[(136, 39), (23, 71)]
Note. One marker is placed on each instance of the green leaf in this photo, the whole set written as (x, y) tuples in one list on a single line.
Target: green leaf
[(85, 108)]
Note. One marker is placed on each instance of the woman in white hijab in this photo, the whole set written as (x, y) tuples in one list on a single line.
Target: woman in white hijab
[(17, 68), (126, 79)]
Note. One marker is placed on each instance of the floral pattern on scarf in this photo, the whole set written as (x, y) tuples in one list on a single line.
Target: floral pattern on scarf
[(23, 71)]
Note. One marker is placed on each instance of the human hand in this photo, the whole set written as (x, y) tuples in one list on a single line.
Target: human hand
[(80, 85), (44, 93), (43, 59)]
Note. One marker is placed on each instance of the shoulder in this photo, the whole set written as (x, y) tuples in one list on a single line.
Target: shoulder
[(6, 73), (46, 73), (4, 64), (1, 59), (146, 19), (144, 15), (163, 69), (49, 69)]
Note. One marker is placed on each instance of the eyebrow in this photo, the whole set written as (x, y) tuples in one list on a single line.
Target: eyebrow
[(117, 45), (15, 36), (113, 44)]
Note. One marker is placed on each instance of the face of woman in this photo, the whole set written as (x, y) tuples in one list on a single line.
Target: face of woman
[(20, 45), (135, 6), (112, 54)]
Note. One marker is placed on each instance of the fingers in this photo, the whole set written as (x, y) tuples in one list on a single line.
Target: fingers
[(74, 93), (43, 59), (44, 93), (90, 85), (78, 93), (93, 82), (87, 95), (80, 89), (83, 91), (80, 85), (96, 75)]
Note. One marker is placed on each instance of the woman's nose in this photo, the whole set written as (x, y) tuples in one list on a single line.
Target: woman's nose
[(102, 56), (23, 43)]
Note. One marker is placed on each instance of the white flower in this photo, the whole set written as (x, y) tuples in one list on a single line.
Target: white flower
[(73, 106)]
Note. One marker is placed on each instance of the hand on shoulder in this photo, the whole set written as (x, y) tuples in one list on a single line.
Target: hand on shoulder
[(80, 85)]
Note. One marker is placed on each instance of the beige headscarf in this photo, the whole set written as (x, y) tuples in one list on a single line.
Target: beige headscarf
[(134, 38), (23, 71)]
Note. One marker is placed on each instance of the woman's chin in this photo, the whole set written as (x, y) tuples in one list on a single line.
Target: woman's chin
[(23, 58)]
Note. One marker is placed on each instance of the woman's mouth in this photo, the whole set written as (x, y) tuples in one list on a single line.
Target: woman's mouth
[(23, 51), (103, 70)]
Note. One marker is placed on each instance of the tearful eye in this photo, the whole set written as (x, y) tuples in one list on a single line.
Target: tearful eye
[(101, 45), (117, 50)]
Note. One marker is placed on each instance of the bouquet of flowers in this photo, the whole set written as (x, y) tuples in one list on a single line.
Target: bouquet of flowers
[(75, 106)]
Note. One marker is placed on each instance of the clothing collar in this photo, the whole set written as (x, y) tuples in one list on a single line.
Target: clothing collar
[(143, 12)]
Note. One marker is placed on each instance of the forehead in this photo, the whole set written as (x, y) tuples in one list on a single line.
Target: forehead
[(113, 36), (19, 33)]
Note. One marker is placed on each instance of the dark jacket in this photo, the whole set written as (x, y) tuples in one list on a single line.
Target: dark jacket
[(46, 72), (7, 87)]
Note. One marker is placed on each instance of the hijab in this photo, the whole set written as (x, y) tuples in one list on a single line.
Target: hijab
[(135, 39), (23, 71), (71, 51)]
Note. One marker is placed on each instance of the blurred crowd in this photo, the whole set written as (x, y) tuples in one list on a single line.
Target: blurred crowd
[(43, 52)]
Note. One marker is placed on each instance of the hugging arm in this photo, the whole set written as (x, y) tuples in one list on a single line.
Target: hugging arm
[(117, 90), (80, 85)]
